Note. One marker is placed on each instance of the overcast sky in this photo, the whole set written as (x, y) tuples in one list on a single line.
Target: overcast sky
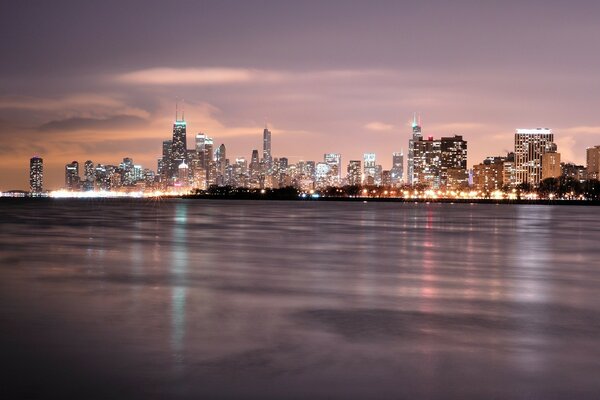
[(98, 80)]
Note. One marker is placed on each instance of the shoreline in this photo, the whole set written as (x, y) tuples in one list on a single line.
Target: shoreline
[(320, 199)]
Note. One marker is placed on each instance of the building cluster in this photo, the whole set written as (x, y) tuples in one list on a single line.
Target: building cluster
[(432, 164)]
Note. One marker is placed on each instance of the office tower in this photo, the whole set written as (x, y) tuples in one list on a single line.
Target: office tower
[(138, 173), (574, 171), (489, 174), (416, 137), (36, 175), (354, 173), (101, 175), (267, 158), (397, 170), (166, 166), (221, 164), (369, 169), (179, 145), (386, 178), (89, 175), (322, 170), (334, 160), (453, 165), (530, 145), (127, 171), (378, 175), (201, 149), (427, 162), (283, 164), (254, 167), (183, 174), (309, 169), (593, 162), (551, 163), (72, 176)]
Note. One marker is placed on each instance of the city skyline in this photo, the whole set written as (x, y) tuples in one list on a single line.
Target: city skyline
[(350, 86)]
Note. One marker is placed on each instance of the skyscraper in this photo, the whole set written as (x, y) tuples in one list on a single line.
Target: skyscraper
[(416, 136), (36, 175), (354, 173), (89, 175), (166, 170), (221, 164), (593, 162), (453, 165), (397, 171), (267, 157), (369, 169), (334, 160), (72, 176), (530, 145), (179, 146)]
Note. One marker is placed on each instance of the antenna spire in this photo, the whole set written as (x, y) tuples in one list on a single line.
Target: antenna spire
[(176, 109), (183, 110)]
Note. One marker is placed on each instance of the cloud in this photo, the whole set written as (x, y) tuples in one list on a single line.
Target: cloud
[(196, 76), (76, 105), (86, 124), (378, 126)]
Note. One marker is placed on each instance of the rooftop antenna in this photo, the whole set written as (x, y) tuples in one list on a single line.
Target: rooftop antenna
[(176, 109), (183, 110)]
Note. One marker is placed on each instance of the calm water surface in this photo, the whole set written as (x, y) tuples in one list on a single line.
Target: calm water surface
[(210, 299)]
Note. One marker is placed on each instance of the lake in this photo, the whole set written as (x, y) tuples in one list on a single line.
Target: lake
[(183, 298)]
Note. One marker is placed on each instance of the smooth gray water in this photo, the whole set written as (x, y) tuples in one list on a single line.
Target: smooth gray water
[(190, 299)]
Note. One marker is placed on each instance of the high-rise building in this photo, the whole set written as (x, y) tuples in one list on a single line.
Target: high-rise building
[(453, 165), (36, 175), (89, 175), (166, 165), (184, 174), (427, 161), (369, 169), (221, 164), (127, 171), (412, 157), (334, 160), (530, 145), (574, 171), (72, 176), (551, 163), (179, 145), (354, 173), (593, 162), (322, 170), (267, 157), (397, 170)]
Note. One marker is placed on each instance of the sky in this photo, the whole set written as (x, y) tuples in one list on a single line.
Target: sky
[(94, 80)]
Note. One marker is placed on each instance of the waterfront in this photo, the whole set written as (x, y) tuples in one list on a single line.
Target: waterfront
[(183, 298)]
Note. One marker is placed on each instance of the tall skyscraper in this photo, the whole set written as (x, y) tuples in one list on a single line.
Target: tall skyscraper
[(369, 169), (89, 175), (201, 148), (334, 160), (36, 175), (354, 173), (416, 137), (221, 164), (267, 157), (453, 165), (397, 170), (72, 176), (179, 146), (166, 170), (593, 162), (530, 145)]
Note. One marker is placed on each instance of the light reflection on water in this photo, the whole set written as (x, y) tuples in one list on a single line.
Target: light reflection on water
[(180, 299)]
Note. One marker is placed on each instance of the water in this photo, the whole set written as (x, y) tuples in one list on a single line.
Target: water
[(227, 299)]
